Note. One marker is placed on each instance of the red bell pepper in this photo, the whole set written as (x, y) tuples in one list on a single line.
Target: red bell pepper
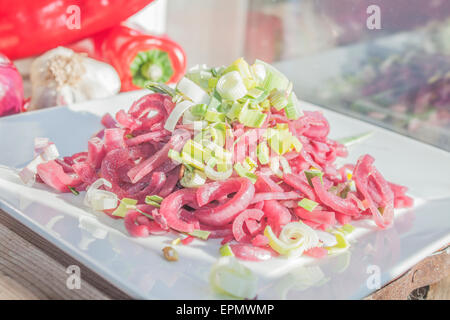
[(11, 88), (137, 57), (32, 27)]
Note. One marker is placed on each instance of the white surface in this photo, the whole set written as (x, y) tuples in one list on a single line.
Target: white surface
[(152, 18), (136, 265)]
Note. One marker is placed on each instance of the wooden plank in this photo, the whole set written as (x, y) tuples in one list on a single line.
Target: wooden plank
[(440, 290), (33, 268), (430, 270)]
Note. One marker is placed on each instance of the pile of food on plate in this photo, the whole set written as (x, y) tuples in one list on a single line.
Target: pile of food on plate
[(228, 153)]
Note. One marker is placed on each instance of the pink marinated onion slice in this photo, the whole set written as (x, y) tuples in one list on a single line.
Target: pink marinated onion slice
[(365, 172), (224, 213), (171, 206), (53, 175), (238, 223)]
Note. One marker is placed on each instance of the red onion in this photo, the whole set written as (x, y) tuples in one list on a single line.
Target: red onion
[(11, 88)]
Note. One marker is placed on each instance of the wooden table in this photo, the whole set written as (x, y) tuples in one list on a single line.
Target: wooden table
[(33, 268)]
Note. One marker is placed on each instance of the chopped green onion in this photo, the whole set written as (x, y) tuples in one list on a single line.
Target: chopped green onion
[(274, 79), (154, 200), (263, 153), (214, 116), (216, 95), (100, 199), (251, 118), (292, 109), (218, 136), (250, 164), (214, 72), (200, 74), (241, 171), (285, 165), (188, 159), (73, 190), (176, 241), (259, 72), (143, 213), (344, 192), (193, 179), (310, 174), (342, 243), (347, 228), (188, 167), (274, 165), (265, 104), (280, 141), (282, 126), (212, 82), (308, 204), (255, 93), (153, 203), (231, 86), (189, 118), (214, 103), (194, 154), (201, 234), (124, 206), (199, 110), (160, 88), (235, 110), (217, 175), (278, 99), (241, 66), (296, 144), (176, 114), (192, 90), (175, 156), (225, 106), (216, 151), (289, 89), (225, 250)]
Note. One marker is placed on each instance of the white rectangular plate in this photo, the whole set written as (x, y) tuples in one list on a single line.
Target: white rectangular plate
[(136, 265)]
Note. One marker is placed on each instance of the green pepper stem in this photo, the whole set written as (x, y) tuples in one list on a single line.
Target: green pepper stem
[(152, 65), (151, 71)]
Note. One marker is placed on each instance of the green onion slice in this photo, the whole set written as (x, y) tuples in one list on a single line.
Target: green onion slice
[(310, 174), (125, 205), (160, 88), (155, 198), (274, 79), (73, 190), (193, 179), (263, 153), (308, 204), (201, 234), (231, 86), (175, 156), (243, 172), (226, 251)]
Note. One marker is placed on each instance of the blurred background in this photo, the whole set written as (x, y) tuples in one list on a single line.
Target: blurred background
[(389, 65)]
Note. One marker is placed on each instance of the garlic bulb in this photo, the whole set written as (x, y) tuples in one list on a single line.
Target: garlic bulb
[(61, 76)]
